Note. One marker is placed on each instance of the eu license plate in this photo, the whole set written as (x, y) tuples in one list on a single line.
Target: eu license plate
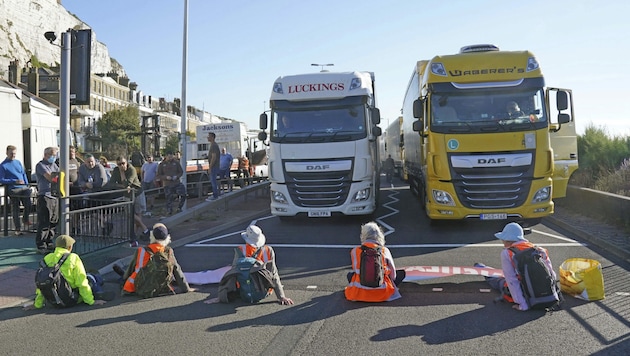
[(494, 216), (319, 214)]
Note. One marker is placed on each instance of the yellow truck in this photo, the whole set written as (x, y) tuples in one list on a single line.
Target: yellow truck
[(485, 139)]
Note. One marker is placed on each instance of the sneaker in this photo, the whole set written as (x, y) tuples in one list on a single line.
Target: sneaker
[(147, 214), (119, 271), (134, 244), (42, 250), (18, 233), (179, 210), (145, 235), (479, 265), (212, 198)]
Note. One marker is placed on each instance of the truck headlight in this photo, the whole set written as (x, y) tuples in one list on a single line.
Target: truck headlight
[(542, 194), (278, 197), (361, 195), (442, 197)]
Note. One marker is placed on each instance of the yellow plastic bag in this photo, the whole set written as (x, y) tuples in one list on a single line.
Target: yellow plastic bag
[(582, 278)]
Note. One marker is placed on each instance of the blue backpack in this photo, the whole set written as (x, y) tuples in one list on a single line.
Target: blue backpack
[(250, 289)]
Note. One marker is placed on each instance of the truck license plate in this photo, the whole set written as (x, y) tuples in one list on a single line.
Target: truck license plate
[(495, 216), (319, 214)]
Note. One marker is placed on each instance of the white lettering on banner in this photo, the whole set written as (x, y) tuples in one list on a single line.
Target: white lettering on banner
[(435, 271)]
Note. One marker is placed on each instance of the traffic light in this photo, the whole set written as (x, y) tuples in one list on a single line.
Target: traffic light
[(80, 67)]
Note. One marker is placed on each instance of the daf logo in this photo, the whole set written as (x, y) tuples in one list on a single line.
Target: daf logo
[(318, 167), (490, 160)]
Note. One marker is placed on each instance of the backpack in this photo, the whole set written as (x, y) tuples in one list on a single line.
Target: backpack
[(250, 290), (372, 273), (54, 286), (155, 277), (539, 287)]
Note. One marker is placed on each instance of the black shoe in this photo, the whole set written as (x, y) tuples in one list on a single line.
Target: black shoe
[(106, 296), (119, 271), (42, 250)]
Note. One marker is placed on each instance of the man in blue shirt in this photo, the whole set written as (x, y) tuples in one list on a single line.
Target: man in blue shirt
[(225, 163), (13, 176)]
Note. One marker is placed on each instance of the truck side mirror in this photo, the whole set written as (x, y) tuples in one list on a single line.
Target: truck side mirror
[(418, 112), (562, 101), (376, 116), (262, 121), (262, 136), (564, 118), (377, 131), (418, 125)]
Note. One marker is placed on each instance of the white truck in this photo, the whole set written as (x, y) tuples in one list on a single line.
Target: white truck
[(323, 144), (237, 141)]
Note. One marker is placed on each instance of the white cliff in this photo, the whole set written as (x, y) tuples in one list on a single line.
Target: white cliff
[(22, 27)]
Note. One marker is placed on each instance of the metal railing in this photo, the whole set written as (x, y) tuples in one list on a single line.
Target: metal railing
[(100, 220)]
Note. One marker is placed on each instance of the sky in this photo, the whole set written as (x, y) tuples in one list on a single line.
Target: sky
[(237, 48)]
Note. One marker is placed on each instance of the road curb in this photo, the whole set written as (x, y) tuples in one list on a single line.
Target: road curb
[(601, 243), (188, 239)]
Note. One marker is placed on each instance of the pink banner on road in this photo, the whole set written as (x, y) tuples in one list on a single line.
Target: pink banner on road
[(418, 273)]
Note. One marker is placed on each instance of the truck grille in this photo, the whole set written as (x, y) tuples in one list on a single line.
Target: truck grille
[(492, 187), (318, 190)]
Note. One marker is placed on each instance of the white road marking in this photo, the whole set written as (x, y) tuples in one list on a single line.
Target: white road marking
[(483, 245)]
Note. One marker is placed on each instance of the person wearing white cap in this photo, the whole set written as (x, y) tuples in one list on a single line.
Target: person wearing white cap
[(512, 237), (254, 241)]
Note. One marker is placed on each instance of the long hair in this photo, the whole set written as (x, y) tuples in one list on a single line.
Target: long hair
[(164, 242), (372, 232)]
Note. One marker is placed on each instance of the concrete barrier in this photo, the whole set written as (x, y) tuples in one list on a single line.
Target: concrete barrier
[(612, 208)]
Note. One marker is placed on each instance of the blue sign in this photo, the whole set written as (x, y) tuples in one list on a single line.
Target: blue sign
[(453, 144)]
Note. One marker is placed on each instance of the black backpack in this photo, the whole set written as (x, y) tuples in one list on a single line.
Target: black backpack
[(372, 273), (539, 287), (54, 286)]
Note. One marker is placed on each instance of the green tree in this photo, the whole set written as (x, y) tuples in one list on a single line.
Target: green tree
[(120, 131), (172, 143), (601, 157)]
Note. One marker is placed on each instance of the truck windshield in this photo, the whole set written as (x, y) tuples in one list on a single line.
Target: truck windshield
[(324, 123), (488, 110)]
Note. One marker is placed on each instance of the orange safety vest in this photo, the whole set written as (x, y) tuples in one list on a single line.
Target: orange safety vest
[(141, 260), (248, 250), (357, 292)]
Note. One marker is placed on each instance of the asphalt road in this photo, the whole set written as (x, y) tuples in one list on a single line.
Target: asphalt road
[(449, 316)]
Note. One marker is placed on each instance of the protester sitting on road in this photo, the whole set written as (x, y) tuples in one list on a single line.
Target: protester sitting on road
[(512, 236), (169, 172), (254, 247), (159, 241), (376, 289), (125, 177), (74, 272), (13, 176)]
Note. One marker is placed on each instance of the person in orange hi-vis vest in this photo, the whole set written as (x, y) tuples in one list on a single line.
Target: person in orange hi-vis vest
[(372, 236), (159, 240)]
